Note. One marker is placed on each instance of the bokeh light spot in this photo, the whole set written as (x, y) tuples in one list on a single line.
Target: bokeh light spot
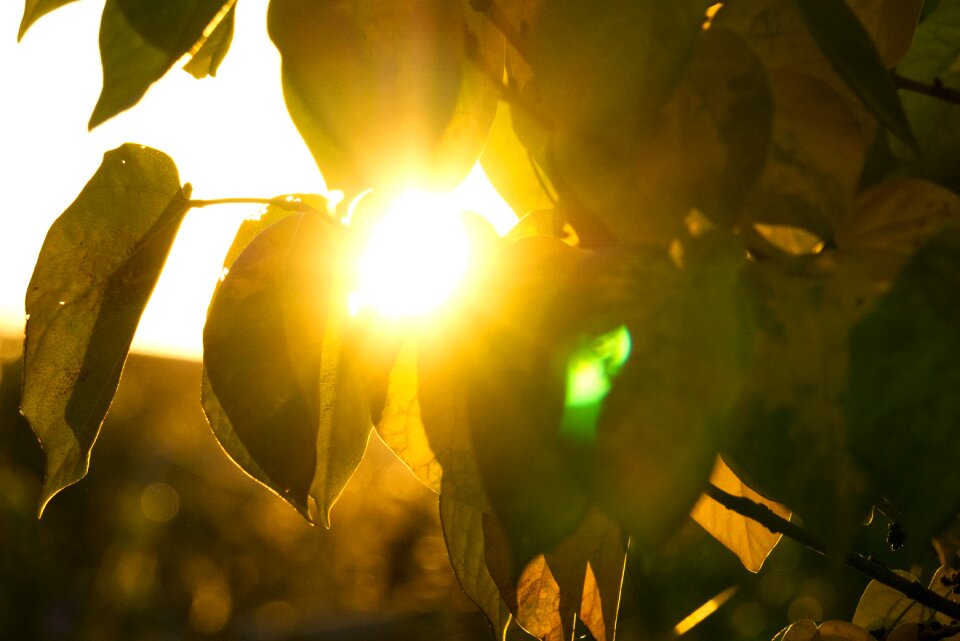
[(590, 373), (159, 502)]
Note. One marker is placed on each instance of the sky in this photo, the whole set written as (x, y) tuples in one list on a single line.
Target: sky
[(230, 136)]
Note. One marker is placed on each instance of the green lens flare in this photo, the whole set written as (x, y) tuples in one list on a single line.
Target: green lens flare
[(590, 372)]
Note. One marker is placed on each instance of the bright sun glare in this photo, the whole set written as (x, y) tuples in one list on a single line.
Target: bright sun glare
[(417, 254), (414, 261)]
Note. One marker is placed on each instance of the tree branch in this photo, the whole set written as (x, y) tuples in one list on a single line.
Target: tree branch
[(297, 205), (936, 90), (868, 566)]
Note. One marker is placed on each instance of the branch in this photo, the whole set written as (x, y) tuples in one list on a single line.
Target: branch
[(297, 205), (499, 19), (936, 90), (868, 566)]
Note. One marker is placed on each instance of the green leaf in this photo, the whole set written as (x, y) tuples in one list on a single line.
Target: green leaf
[(280, 359), (852, 52), (96, 270), (140, 40), (890, 24), (902, 403), (36, 9), (388, 94), (206, 60), (463, 533), (933, 56)]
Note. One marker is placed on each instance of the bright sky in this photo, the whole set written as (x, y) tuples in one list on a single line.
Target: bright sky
[(230, 136)]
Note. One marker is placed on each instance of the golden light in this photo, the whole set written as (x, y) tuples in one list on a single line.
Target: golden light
[(416, 256), (205, 126)]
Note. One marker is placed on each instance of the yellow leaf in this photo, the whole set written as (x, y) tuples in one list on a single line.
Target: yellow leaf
[(400, 426), (746, 538)]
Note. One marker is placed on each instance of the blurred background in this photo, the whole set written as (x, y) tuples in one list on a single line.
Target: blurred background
[(166, 539)]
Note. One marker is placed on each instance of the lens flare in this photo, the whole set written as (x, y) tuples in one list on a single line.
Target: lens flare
[(590, 373)]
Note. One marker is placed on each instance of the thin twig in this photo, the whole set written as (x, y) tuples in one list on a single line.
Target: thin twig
[(868, 566), (935, 90), (499, 19), (297, 205)]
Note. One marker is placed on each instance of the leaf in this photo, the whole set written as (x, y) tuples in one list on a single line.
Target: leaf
[(897, 216), (883, 608), (815, 160), (206, 60), (96, 270), (725, 110), (388, 95), (661, 424), (840, 35), (890, 24), (278, 354), (588, 568), (216, 415), (511, 168), (140, 40), (400, 425), (514, 397), (933, 57), (463, 533), (36, 9), (943, 582), (611, 156), (746, 538), (788, 438), (901, 404)]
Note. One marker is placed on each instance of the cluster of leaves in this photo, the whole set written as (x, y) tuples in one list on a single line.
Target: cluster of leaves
[(741, 241)]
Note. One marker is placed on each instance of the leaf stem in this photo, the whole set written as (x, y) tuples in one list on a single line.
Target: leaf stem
[(297, 205), (867, 566), (499, 19), (935, 90)]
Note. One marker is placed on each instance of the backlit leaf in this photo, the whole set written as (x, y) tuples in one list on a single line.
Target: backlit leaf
[(279, 357), (206, 60), (897, 217), (725, 112), (96, 270), (400, 424), (854, 55), (661, 424), (883, 608), (463, 533), (511, 169), (933, 57), (140, 40), (36, 9), (746, 538), (890, 23), (515, 398), (388, 94), (216, 416)]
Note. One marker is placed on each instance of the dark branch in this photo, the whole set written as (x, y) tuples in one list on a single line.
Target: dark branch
[(871, 568), (936, 90)]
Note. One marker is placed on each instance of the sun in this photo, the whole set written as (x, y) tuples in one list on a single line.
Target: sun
[(419, 251)]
